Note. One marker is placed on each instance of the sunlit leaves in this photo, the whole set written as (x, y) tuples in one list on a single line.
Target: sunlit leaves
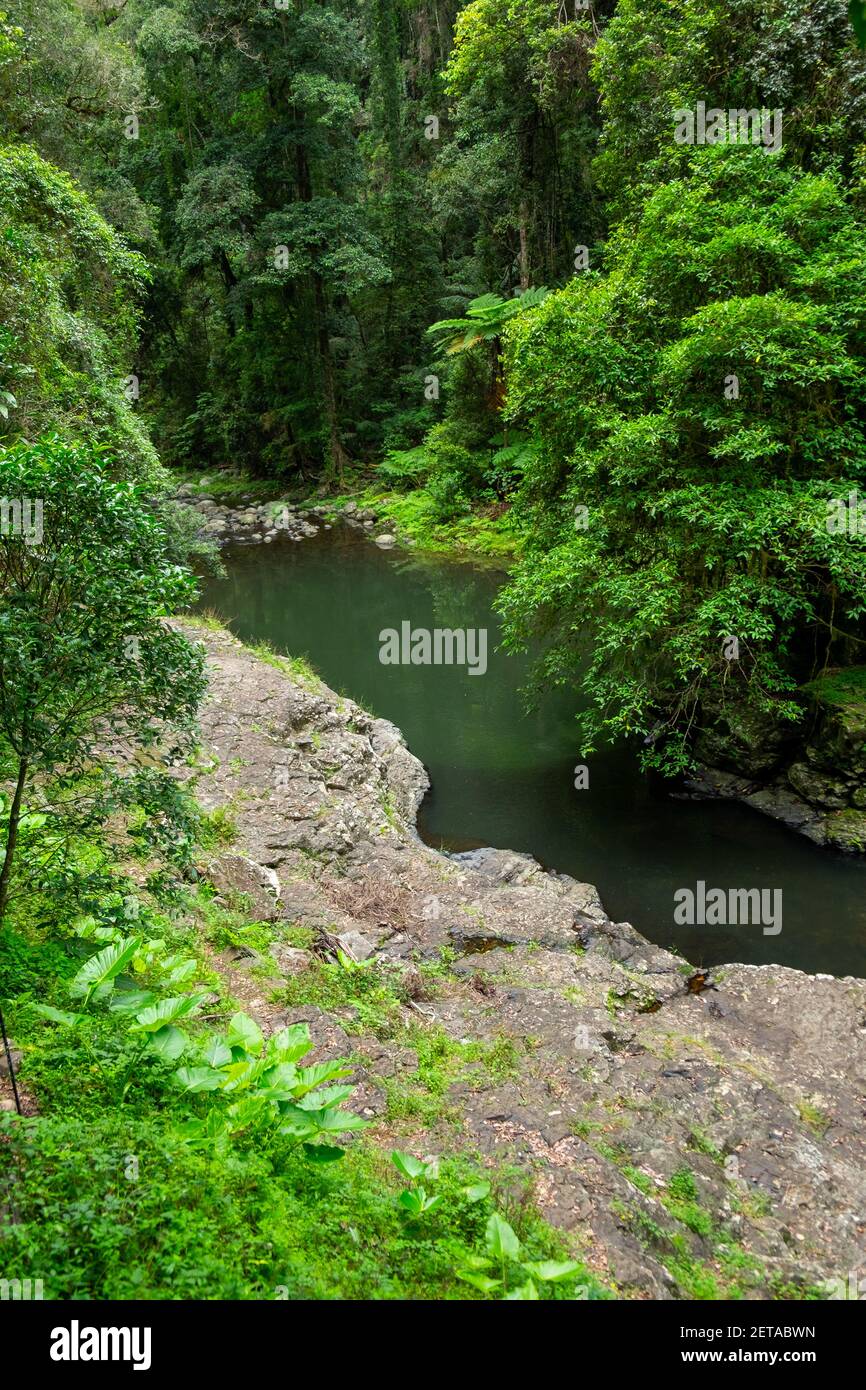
[(485, 320), (244, 1032), (167, 1011), (62, 1016)]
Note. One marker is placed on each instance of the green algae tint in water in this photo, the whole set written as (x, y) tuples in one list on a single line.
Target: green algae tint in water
[(506, 778)]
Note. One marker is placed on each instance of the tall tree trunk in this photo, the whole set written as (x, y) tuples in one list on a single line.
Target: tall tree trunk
[(338, 455), (229, 280), (523, 218), (12, 838)]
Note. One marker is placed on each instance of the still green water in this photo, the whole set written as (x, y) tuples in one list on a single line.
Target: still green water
[(503, 777)]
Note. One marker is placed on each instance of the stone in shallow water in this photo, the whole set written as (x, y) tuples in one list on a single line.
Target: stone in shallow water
[(846, 830)]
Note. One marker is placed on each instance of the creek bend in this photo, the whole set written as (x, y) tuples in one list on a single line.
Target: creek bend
[(505, 778)]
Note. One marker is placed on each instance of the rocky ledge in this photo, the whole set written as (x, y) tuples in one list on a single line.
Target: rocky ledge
[(813, 777), (688, 1133)]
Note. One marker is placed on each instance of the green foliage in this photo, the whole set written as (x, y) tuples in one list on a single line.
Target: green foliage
[(682, 1201), (25, 963), (654, 58), (217, 828), (704, 514), (81, 635), (518, 1278), (126, 975), (85, 655), (129, 1184), (268, 1090), (116, 1207), (518, 163), (267, 251), (415, 1200), (402, 468), (70, 293), (293, 244), (265, 1087), (485, 320)]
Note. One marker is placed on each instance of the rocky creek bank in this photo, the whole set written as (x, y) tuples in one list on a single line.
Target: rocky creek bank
[(248, 522), (813, 778), (689, 1134)]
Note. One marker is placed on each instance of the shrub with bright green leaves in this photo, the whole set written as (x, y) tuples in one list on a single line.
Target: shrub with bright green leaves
[(85, 656), (516, 1278), (654, 57), (485, 320), (252, 1223), (268, 1091), (696, 411), (265, 1089), (112, 977), (415, 1200)]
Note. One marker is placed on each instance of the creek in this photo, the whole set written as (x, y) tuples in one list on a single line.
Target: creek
[(504, 777)]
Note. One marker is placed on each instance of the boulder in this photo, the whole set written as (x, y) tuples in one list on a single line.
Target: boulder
[(846, 830), (741, 740), (356, 945), (4, 1061), (235, 874), (291, 960)]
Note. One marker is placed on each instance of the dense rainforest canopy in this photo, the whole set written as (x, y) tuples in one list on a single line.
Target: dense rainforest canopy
[(232, 226)]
